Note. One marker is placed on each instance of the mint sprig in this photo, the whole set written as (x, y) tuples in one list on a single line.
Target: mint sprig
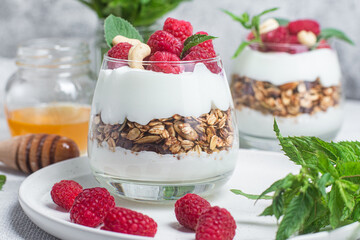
[(252, 24), (114, 26), (327, 33), (2, 181), (250, 196), (194, 40), (282, 21), (138, 12), (326, 192)]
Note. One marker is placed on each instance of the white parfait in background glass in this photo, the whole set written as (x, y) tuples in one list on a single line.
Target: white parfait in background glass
[(301, 91)]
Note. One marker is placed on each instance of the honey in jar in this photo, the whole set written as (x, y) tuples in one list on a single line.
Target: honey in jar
[(71, 121)]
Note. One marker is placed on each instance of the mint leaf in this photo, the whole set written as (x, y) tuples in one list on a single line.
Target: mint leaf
[(325, 165), (194, 40), (268, 211), (267, 11), (117, 26), (249, 23), (325, 180), (305, 151), (354, 146), (356, 214), (250, 196), (288, 147), (245, 16), (140, 13), (279, 185), (317, 219), (147, 12), (278, 204), (295, 215), (2, 181), (340, 200), (243, 19), (282, 21), (327, 33), (241, 47), (349, 171)]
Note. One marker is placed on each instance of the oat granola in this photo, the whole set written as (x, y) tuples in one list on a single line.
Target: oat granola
[(286, 100), (211, 132)]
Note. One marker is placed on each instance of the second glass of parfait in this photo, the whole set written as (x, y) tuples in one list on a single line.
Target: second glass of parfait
[(51, 90), (289, 72)]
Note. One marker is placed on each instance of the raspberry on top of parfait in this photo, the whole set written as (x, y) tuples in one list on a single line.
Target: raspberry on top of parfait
[(282, 35), (171, 46)]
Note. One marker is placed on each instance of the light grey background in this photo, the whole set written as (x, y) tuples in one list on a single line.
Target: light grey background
[(26, 19)]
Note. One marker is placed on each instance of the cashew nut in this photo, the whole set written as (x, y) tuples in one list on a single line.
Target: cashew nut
[(307, 38), (269, 25), (119, 39), (137, 53)]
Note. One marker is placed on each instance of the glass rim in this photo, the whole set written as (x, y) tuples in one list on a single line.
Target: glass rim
[(330, 43), (181, 62)]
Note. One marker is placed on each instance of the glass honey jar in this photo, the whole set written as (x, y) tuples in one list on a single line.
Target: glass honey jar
[(51, 90)]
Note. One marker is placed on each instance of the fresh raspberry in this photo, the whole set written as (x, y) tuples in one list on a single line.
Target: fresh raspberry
[(250, 36), (164, 66), (207, 45), (279, 35), (189, 208), (215, 224), (124, 220), (295, 46), (91, 206), (120, 51), (306, 24), (64, 193), (275, 41), (178, 28), (164, 41), (323, 44), (198, 53), (293, 39)]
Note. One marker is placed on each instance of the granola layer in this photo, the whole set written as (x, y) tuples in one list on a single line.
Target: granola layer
[(286, 100), (211, 132)]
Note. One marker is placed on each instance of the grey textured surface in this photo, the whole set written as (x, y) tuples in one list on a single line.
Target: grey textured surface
[(14, 223), (20, 19)]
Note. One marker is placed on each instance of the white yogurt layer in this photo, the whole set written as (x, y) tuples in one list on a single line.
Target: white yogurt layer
[(320, 124), (141, 95), (151, 166), (279, 68)]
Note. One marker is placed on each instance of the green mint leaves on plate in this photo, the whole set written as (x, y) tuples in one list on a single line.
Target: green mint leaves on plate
[(326, 192), (2, 181), (194, 40), (117, 26), (252, 24)]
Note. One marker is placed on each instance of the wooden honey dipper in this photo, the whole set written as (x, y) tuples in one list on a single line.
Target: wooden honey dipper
[(29, 153)]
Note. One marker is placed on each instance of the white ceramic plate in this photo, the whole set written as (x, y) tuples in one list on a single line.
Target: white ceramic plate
[(255, 171)]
